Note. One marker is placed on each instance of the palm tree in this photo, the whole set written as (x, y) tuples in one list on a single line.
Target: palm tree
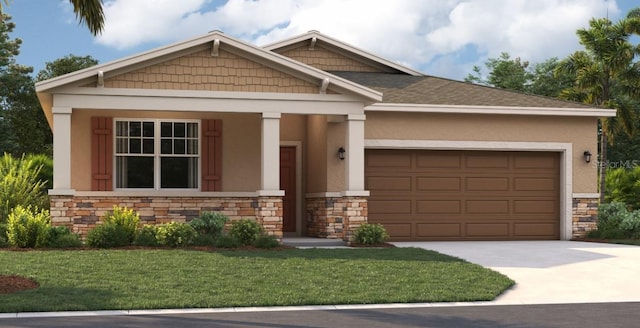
[(88, 12), (607, 76)]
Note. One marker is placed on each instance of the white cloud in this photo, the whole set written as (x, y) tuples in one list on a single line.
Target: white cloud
[(417, 33)]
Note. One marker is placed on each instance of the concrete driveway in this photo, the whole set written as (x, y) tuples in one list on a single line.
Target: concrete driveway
[(553, 271)]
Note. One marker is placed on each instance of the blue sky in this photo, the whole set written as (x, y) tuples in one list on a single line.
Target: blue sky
[(442, 38)]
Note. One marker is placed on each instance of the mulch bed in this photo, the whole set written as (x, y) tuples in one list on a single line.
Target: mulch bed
[(12, 284), (381, 245)]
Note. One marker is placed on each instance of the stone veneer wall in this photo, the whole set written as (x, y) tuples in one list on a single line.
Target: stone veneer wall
[(584, 216), (81, 213), (335, 217)]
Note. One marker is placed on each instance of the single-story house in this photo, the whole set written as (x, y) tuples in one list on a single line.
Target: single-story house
[(311, 136)]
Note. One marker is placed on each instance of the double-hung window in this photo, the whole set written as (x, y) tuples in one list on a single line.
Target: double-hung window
[(157, 154)]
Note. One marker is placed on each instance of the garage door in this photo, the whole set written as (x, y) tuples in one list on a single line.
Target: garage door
[(464, 195)]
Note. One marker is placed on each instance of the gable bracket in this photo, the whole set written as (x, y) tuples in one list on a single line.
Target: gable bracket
[(100, 79), (313, 43), (215, 48), (324, 85)]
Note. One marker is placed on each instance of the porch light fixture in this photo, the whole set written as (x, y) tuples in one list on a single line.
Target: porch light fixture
[(341, 152), (587, 156)]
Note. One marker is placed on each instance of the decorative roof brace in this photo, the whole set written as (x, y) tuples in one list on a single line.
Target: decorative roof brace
[(313, 43), (325, 84), (100, 79), (215, 48)]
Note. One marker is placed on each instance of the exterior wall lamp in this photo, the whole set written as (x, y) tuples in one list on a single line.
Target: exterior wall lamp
[(587, 156), (341, 152)]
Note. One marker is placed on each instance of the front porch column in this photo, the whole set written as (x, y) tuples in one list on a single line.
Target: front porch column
[(354, 169), (270, 174), (62, 151)]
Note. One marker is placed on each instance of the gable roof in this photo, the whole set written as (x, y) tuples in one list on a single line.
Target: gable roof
[(207, 41), (313, 38)]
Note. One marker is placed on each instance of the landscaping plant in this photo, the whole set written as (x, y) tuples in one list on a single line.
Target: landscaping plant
[(175, 234), (246, 231), (266, 241), (147, 236), (27, 227), (370, 233), (615, 221), (118, 229), (62, 237), (20, 185), (209, 223)]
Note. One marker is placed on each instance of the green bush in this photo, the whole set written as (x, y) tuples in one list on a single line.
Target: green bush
[(631, 225), (45, 163), (4, 242), (610, 216), (266, 241), (118, 228), (245, 231), (175, 234), (623, 186), (370, 233), (20, 185), (146, 236), (209, 223), (62, 237), (204, 240), (27, 228), (227, 241)]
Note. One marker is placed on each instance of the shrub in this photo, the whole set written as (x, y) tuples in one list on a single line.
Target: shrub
[(209, 223), (370, 233), (146, 236), (245, 231), (228, 241), (175, 234), (266, 241), (631, 225), (27, 228), (610, 216), (62, 237), (623, 185), (4, 242), (204, 240), (20, 185), (45, 175), (118, 229)]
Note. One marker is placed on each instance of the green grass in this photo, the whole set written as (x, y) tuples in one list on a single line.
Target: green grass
[(635, 242), (156, 279)]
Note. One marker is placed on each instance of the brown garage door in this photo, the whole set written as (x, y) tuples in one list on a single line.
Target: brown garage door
[(464, 195)]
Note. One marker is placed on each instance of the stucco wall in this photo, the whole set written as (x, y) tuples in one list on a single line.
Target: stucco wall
[(580, 131), (336, 132), (316, 153), (241, 135)]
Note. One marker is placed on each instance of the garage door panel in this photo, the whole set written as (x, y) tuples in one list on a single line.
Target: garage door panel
[(535, 206), (447, 160), (487, 184), (494, 230), (452, 230), (389, 159), (399, 230), (487, 207), (390, 207), (458, 195), (438, 183), (383, 184), (538, 229), (439, 207), (535, 184), (487, 160)]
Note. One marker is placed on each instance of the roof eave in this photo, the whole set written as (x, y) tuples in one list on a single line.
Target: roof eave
[(495, 110)]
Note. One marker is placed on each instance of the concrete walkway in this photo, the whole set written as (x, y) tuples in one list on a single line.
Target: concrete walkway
[(553, 271)]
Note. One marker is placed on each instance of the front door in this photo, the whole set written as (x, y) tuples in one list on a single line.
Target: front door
[(288, 184)]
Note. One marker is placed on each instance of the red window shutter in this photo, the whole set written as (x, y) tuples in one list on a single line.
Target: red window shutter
[(101, 153), (211, 155)]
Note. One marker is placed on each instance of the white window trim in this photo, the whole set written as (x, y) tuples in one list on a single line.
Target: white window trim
[(157, 155)]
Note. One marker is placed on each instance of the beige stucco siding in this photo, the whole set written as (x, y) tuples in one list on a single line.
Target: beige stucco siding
[(316, 154), (240, 145), (579, 131), (327, 60), (201, 71)]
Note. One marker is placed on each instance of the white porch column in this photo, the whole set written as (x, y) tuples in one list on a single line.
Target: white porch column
[(61, 151), (270, 180), (355, 156)]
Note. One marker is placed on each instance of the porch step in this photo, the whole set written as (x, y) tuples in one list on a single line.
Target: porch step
[(312, 242)]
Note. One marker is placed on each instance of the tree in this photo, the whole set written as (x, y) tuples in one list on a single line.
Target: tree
[(64, 65), (515, 74), (89, 12), (607, 76)]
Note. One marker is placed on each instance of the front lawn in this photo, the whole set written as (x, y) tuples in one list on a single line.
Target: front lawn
[(156, 279)]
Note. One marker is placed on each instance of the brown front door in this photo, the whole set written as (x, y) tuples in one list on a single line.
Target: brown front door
[(288, 184)]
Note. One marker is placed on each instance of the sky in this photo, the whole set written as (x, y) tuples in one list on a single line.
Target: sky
[(443, 38)]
